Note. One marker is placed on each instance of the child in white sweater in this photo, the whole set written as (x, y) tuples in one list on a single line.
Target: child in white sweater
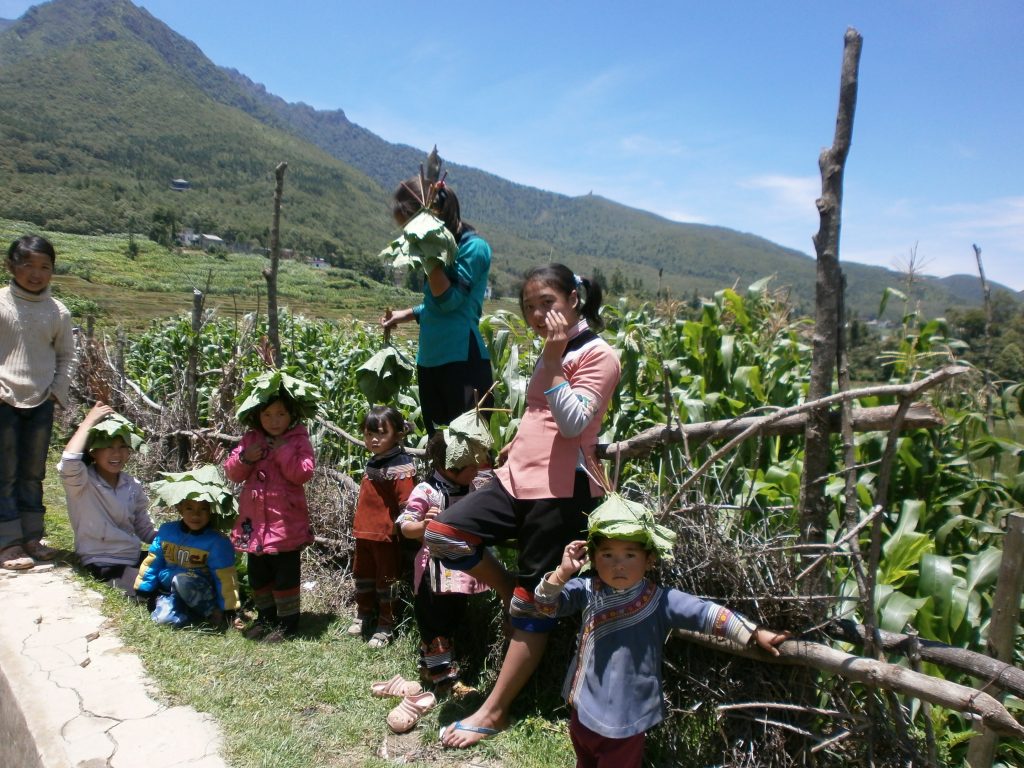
[(37, 352)]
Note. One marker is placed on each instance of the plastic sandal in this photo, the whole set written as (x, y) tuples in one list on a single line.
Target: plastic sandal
[(381, 638), (355, 629), (409, 711), (396, 686), (39, 551), (14, 558)]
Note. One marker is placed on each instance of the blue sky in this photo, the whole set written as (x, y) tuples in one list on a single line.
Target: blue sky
[(703, 112)]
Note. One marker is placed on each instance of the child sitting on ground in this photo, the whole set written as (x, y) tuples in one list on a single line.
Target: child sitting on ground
[(384, 490), (441, 594), (613, 687), (274, 461), (108, 507), (189, 574)]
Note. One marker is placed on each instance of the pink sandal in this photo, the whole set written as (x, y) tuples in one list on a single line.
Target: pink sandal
[(14, 558), (409, 711), (396, 686)]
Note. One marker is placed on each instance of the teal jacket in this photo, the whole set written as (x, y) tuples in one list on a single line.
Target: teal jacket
[(449, 321)]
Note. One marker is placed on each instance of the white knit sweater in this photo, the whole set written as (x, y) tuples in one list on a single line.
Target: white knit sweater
[(37, 348)]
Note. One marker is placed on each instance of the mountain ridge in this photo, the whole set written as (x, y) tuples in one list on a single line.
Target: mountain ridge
[(342, 206)]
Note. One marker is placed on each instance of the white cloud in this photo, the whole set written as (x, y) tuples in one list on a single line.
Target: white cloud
[(795, 194)]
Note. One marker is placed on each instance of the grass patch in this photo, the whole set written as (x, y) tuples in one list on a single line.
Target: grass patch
[(306, 702)]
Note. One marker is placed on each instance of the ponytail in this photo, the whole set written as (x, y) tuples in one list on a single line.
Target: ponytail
[(407, 202)]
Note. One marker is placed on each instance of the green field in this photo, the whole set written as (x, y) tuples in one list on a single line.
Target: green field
[(97, 273)]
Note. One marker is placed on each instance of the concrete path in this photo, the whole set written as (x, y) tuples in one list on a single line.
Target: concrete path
[(71, 694)]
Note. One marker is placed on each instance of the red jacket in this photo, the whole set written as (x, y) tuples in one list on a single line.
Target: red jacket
[(272, 512)]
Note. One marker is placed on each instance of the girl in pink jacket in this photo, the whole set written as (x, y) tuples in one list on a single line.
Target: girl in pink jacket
[(273, 462)]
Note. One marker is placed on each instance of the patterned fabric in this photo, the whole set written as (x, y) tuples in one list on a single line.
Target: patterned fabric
[(383, 492), (437, 493), (620, 644)]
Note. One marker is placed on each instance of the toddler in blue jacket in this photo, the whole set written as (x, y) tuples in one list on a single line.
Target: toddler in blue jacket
[(189, 573), (613, 687)]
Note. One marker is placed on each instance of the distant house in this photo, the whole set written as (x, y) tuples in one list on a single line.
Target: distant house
[(187, 237), (180, 185), (319, 263), (210, 241)]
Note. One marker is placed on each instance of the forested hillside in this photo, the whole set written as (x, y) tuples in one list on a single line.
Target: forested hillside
[(129, 105)]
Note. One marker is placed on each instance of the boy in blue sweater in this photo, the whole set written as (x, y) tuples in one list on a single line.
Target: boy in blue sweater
[(613, 687), (189, 574)]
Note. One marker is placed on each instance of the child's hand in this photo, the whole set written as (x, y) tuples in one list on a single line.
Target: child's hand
[(431, 513), (275, 442), (557, 336), (769, 640), (573, 558), (253, 453), (97, 413)]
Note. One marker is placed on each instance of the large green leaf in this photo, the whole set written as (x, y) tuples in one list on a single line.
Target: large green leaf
[(382, 376), (897, 610), (205, 483)]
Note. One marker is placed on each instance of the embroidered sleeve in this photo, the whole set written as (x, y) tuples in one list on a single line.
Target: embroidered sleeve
[(552, 600), (721, 622), (417, 505)]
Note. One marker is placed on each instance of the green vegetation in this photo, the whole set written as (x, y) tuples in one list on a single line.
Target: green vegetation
[(738, 353), (97, 275)]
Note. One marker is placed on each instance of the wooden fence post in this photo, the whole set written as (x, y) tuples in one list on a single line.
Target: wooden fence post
[(814, 507), (270, 273), (1003, 625)]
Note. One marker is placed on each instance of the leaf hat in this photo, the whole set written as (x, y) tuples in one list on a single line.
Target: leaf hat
[(261, 389), (205, 483)]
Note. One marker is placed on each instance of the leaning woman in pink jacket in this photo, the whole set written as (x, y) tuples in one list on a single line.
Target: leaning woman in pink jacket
[(273, 462)]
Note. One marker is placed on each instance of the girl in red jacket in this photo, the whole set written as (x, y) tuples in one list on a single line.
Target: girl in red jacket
[(273, 461)]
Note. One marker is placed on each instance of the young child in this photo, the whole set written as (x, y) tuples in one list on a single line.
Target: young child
[(613, 687), (37, 353), (384, 490), (441, 594), (274, 461), (189, 574), (109, 509)]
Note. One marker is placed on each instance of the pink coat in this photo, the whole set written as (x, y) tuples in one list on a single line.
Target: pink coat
[(272, 512)]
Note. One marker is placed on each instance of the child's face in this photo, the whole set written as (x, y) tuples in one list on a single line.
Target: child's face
[(539, 298), (34, 273), (621, 564), (111, 460), (194, 514), (383, 440), (462, 476), (275, 419)]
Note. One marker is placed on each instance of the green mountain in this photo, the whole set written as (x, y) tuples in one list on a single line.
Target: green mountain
[(130, 105)]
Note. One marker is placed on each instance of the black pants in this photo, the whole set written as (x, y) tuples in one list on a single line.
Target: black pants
[(447, 391)]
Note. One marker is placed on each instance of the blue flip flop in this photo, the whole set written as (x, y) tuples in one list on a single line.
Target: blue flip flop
[(458, 725)]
